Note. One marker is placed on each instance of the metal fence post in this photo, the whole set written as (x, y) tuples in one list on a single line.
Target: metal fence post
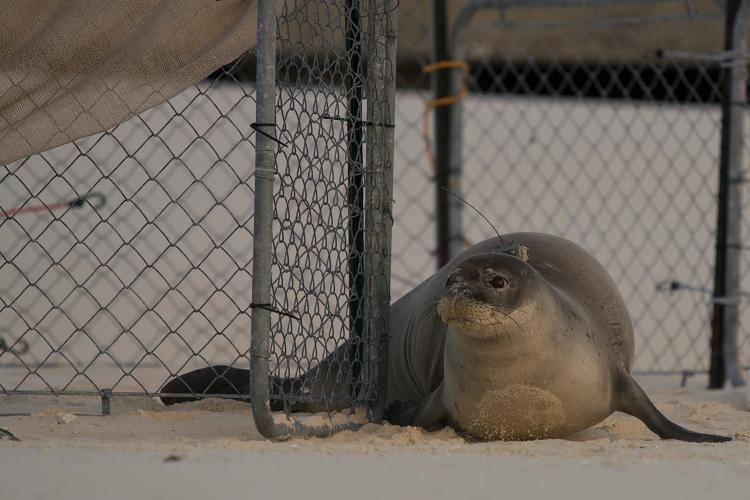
[(353, 82), (448, 213), (454, 236), (265, 151), (724, 362), (455, 127), (381, 94)]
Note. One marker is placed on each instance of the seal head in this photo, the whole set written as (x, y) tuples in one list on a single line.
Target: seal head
[(489, 295)]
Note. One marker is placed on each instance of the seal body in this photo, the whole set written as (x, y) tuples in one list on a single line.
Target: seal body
[(535, 360), (500, 345)]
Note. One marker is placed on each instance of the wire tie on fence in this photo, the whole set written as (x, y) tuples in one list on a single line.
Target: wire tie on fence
[(261, 356), (731, 245), (44, 207), (440, 101), (441, 65), (446, 64), (269, 307), (361, 122), (255, 126), (668, 286), (672, 286), (101, 200)]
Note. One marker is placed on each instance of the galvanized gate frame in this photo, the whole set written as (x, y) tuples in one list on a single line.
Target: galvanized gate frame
[(380, 47)]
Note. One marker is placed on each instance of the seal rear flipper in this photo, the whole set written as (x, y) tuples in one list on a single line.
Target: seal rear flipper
[(631, 399), (218, 379), (428, 413)]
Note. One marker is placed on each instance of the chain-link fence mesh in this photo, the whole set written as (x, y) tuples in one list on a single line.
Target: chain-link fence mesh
[(149, 275), (599, 123), (125, 257), (331, 159), (414, 189)]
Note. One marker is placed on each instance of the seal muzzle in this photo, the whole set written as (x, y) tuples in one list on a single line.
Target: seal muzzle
[(483, 291)]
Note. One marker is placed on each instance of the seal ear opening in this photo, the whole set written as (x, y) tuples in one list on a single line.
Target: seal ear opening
[(630, 398)]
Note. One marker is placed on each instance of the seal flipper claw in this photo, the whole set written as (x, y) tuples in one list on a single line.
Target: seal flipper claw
[(630, 398)]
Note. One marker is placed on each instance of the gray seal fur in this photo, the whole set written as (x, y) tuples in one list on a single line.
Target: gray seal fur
[(499, 347)]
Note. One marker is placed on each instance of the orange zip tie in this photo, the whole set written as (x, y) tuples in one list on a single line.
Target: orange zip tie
[(436, 103), (440, 65), (441, 101)]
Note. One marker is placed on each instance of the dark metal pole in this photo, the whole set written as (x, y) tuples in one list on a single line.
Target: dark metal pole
[(381, 99), (441, 87), (353, 83), (727, 270)]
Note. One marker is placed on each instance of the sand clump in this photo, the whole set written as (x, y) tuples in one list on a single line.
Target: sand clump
[(65, 418)]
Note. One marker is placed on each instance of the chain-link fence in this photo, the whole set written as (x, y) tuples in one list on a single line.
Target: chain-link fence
[(597, 121), (148, 275), (332, 203), (125, 257)]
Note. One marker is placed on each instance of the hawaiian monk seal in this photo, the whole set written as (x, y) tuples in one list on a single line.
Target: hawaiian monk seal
[(520, 337)]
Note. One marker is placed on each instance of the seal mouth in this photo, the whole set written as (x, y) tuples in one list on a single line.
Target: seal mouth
[(467, 312)]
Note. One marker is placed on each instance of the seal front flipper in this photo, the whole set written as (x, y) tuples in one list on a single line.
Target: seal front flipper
[(428, 413), (631, 399)]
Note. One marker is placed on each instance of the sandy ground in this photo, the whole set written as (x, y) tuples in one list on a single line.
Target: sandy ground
[(144, 450)]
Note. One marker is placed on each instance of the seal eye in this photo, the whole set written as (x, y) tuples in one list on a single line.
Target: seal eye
[(500, 283)]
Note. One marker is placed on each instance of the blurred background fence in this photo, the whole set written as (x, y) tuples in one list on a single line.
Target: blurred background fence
[(600, 121)]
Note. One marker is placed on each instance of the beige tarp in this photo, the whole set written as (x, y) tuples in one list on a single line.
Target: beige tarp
[(71, 68)]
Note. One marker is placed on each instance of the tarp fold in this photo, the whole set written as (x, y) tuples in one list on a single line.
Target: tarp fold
[(72, 68)]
